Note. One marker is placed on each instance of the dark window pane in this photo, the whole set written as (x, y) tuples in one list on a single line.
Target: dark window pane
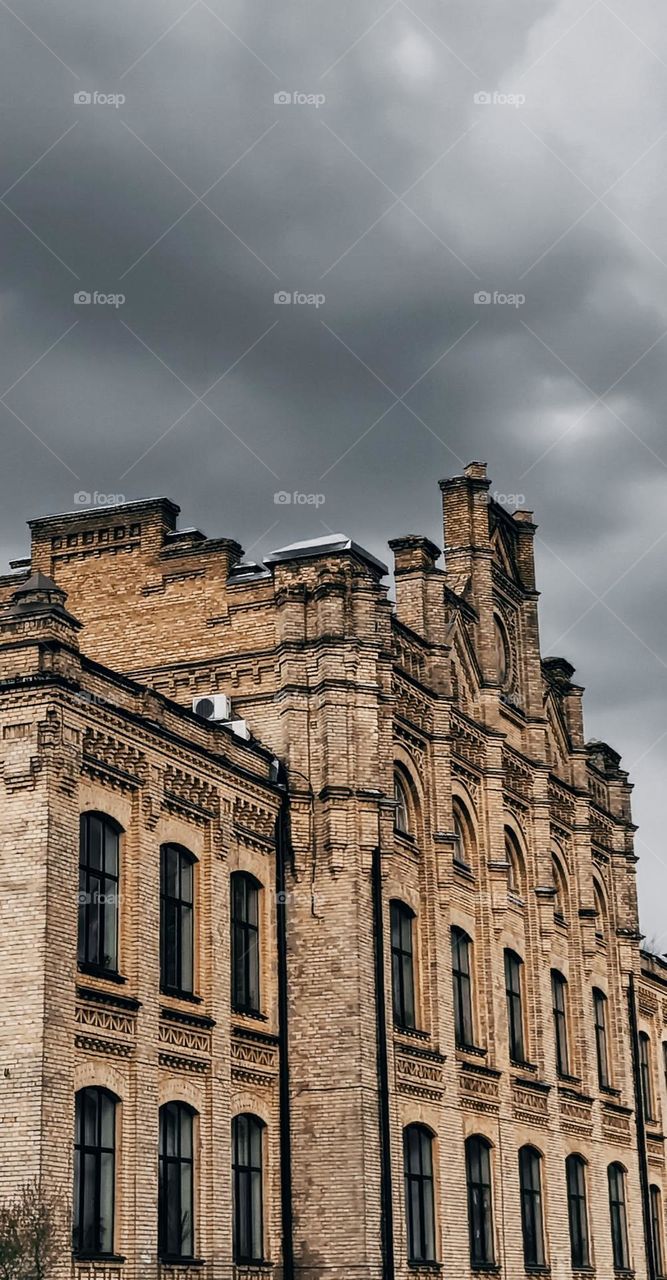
[(402, 965), (94, 1172), (245, 943), (176, 919), (98, 892), (419, 1197), (480, 1206), (248, 1226), (175, 1211)]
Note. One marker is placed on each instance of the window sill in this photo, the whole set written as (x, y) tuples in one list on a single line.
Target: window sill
[(171, 1261), (175, 994), (98, 1257), (424, 1268), (473, 1050), (463, 869), (485, 1268), (96, 971), (523, 1065), (538, 1269), (255, 1014)]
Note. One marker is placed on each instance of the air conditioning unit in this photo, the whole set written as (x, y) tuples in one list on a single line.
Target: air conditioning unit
[(240, 728), (213, 706)]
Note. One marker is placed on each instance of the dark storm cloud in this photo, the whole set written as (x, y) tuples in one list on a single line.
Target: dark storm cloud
[(398, 198)]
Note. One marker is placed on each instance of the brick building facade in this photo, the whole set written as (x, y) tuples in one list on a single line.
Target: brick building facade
[(361, 998)]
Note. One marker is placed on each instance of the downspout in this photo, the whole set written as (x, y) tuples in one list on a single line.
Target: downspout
[(283, 851), (386, 1201), (642, 1149)]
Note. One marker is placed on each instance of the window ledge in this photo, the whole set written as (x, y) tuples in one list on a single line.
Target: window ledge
[(539, 1269), (173, 993), (253, 1014), (473, 1050), (181, 1262), (485, 1268), (463, 869), (98, 1257), (424, 1268), (97, 971), (524, 1066)]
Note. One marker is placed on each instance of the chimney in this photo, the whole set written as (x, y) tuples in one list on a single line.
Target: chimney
[(419, 586)]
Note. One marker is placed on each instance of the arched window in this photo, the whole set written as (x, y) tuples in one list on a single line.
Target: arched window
[(245, 892), (575, 1169), (514, 860), (247, 1163), (94, 1172), (463, 1019), (530, 1180), (402, 810), (503, 653), (176, 919), (657, 1232), (514, 995), (646, 1075), (402, 964), (600, 1011), (560, 885), (618, 1217), (463, 837), (176, 1195), (559, 999), (419, 1197), (601, 912), (480, 1202), (99, 846)]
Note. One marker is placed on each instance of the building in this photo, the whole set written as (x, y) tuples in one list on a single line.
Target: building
[(359, 998)]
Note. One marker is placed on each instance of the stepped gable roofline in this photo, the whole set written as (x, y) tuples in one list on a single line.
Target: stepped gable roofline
[(330, 544), (602, 756), (169, 508)]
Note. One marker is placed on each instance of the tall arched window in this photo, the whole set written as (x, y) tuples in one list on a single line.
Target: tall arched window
[(514, 996), (646, 1075), (530, 1180), (561, 896), (245, 892), (618, 1217), (247, 1165), (600, 1012), (503, 654), (601, 911), (463, 1019), (402, 964), (480, 1201), (514, 860), (419, 1197), (402, 810), (176, 1194), (559, 999), (463, 836), (94, 1172), (176, 919), (657, 1232), (99, 850), (575, 1169)]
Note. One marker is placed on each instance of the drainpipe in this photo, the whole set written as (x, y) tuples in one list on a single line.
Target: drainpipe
[(386, 1201), (642, 1149), (283, 852)]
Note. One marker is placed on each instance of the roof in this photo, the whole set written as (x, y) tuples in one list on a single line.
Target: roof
[(330, 544)]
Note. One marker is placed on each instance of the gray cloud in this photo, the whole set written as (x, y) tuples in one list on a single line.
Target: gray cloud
[(497, 197)]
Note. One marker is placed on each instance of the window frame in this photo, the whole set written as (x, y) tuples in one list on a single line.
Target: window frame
[(600, 1007), (532, 1208), (246, 1177), (462, 982), (657, 1230), (646, 1076), (181, 910), (403, 809), (618, 1215), (90, 900), (577, 1211), (464, 842), (514, 967), (559, 1002), (83, 1152), (403, 985), (480, 1202), (419, 1185), (249, 935), (182, 1111)]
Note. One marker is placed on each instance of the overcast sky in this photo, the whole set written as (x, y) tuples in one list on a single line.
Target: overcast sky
[(430, 152)]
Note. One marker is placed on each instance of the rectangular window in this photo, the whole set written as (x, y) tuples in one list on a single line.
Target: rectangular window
[(513, 969), (463, 1025), (657, 1232), (600, 1010), (402, 965), (559, 992), (645, 1075)]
